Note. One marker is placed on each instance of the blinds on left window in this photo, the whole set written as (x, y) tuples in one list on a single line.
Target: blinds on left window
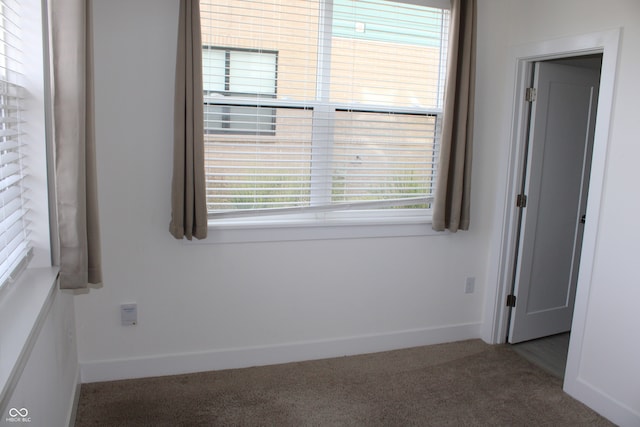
[(15, 248)]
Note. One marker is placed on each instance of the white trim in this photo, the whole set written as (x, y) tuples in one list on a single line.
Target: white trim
[(521, 58), (501, 268), (574, 384), (232, 358), (37, 129), (73, 408), (601, 402)]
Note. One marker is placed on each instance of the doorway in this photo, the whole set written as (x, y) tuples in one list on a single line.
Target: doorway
[(506, 221), (556, 163)]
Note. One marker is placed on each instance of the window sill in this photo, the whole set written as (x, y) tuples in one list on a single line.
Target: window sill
[(24, 305), (274, 229)]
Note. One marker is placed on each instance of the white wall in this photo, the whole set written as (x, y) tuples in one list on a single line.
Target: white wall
[(609, 371), (48, 384), (216, 306)]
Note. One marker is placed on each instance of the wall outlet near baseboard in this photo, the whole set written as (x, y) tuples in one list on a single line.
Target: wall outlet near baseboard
[(129, 314), (469, 285)]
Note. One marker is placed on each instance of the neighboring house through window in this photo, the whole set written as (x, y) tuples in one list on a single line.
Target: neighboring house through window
[(319, 107), (237, 75)]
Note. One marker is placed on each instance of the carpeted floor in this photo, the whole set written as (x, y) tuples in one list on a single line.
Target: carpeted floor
[(467, 383)]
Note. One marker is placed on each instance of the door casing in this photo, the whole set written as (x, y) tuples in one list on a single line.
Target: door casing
[(502, 258)]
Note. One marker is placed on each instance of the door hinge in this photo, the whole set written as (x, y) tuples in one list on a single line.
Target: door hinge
[(530, 94), (521, 201), (511, 300)]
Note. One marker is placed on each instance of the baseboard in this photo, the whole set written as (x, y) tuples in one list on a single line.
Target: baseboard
[(604, 404), (172, 364), (73, 409)]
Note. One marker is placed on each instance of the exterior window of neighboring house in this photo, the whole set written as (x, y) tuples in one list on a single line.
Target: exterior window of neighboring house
[(239, 75), (322, 109)]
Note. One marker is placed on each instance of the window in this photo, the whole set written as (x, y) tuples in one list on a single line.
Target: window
[(15, 247), (238, 74), (318, 107)]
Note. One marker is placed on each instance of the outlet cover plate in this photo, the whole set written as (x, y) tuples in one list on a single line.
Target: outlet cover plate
[(470, 285), (129, 314)]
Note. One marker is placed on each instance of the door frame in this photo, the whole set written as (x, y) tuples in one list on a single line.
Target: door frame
[(502, 260)]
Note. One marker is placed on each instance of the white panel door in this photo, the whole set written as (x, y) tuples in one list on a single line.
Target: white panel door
[(556, 186)]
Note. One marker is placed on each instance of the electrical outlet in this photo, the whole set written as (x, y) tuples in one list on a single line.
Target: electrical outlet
[(129, 314), (469, 285)]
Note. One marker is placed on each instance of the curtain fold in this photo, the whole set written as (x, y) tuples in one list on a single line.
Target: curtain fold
[(74, 143), (188, 192), (451, 206)]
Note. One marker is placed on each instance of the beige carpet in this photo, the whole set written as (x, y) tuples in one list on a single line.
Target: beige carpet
[(467, 383)]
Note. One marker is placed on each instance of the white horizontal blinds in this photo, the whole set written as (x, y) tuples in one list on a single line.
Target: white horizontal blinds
[(14, 243), (386, 53), (259, 71), (310, 104), (385, 69), (258, 173), (383, 156)]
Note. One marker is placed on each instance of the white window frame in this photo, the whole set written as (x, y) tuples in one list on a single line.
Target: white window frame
[(333, 222)]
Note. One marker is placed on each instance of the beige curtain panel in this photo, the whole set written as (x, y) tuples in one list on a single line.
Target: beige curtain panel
[(452, 198), (74, 143), (188, 193)]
